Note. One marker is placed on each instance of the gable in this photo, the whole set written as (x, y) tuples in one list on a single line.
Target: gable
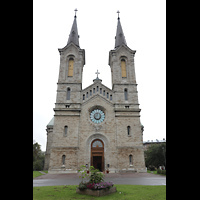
[(97, 89)]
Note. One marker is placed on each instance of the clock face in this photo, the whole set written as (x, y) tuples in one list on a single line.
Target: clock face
[(97, 116)]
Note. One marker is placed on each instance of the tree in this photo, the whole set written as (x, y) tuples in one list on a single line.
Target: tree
[(38, 157), (155, 155)]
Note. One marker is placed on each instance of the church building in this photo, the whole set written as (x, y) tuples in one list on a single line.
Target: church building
[(97, 126)]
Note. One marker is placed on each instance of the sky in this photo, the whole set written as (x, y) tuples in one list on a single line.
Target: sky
[(144, 26)]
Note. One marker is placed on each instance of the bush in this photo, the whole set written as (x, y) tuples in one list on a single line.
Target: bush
[(82, 186), (159, 171), (96, 176), (151, 168)]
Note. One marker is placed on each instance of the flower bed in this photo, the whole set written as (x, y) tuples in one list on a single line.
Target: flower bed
[(96, 185), (99, 186), (98, 193)]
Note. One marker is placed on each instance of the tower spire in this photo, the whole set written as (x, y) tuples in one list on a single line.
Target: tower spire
[(74, 37), (119, 38)]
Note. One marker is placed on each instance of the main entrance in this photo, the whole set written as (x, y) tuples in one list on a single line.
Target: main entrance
[(97, 154)]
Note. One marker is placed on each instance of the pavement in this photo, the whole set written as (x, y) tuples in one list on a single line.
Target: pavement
[(116, 178)]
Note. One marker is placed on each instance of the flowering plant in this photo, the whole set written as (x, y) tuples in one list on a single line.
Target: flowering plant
[(99, 186)]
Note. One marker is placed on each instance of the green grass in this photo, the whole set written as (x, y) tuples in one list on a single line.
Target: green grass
[(36, 173), (128, 192), (154, 172)]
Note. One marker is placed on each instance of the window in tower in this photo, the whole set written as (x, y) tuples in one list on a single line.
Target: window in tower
[(65, 131), (70, 67), (68, 93), (130, 160), (123, 68), (128, 130), (126, 94), (63, 159)]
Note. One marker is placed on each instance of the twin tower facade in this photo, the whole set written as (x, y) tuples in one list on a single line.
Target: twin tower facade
[(96, 126)]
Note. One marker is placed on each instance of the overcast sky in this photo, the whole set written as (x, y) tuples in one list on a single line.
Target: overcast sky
[(144, 26)]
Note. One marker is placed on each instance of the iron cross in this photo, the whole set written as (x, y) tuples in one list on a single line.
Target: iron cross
[(97, 73), (75, 11), (118, 13)]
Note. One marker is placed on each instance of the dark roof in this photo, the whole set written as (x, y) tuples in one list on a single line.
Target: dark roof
[(119, 38), (74, 37)]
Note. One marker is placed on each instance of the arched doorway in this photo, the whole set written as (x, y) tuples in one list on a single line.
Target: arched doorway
[(97, 154)]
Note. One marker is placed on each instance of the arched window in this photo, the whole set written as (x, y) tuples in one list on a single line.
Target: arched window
[(63, 159), (126, 94), (128, 130), (123, 67), (83, 97), (97, 143), (65, 131), (70, 67), (130, 160), (68, 93)]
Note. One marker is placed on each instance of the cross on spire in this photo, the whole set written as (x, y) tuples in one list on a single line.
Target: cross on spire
[(118, 13), (97, 73), (75, 12)]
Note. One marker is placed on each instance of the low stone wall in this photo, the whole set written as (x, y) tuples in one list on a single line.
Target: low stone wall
[(97, 193)]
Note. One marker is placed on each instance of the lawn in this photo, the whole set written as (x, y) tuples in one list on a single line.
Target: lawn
[(36, 173), (128, 192)]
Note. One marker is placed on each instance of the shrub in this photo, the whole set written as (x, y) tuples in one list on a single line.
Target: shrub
[(163, 172), (151, 168), (96, 176), (82, 186), (159, 171)]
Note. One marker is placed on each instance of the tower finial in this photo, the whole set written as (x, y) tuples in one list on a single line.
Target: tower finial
[(75, 11), (118, 14), (97, 74)]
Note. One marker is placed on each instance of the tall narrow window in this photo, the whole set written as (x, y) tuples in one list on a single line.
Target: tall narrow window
[(65, 131), (125, 94), (87, 95), (68, 93), (63, 159), (93, 90), (107, 95), (97, 88), (104, 93), (100, 90), (130, 160), (90, 92), (83, 97), (111, 97), (128, 130), (123, 67), (70, 67)]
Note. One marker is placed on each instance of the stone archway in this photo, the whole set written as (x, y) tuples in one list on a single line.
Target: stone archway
[(97, 154), (88, 147)]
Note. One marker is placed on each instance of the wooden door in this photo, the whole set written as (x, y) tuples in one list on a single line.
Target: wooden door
[(97, 154)]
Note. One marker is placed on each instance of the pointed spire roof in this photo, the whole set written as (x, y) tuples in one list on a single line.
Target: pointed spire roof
[(119, 38), (74, 37)]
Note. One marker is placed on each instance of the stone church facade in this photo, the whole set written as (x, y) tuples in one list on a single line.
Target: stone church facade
[(96, 125)]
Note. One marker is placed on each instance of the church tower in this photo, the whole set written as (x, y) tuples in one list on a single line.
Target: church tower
[(97, 126), (121, 61)]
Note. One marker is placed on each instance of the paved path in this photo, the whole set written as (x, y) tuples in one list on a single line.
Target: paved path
[(117, 178)]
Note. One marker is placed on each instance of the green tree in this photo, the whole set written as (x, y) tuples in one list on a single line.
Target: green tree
[(155, 155), (38, 157)]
